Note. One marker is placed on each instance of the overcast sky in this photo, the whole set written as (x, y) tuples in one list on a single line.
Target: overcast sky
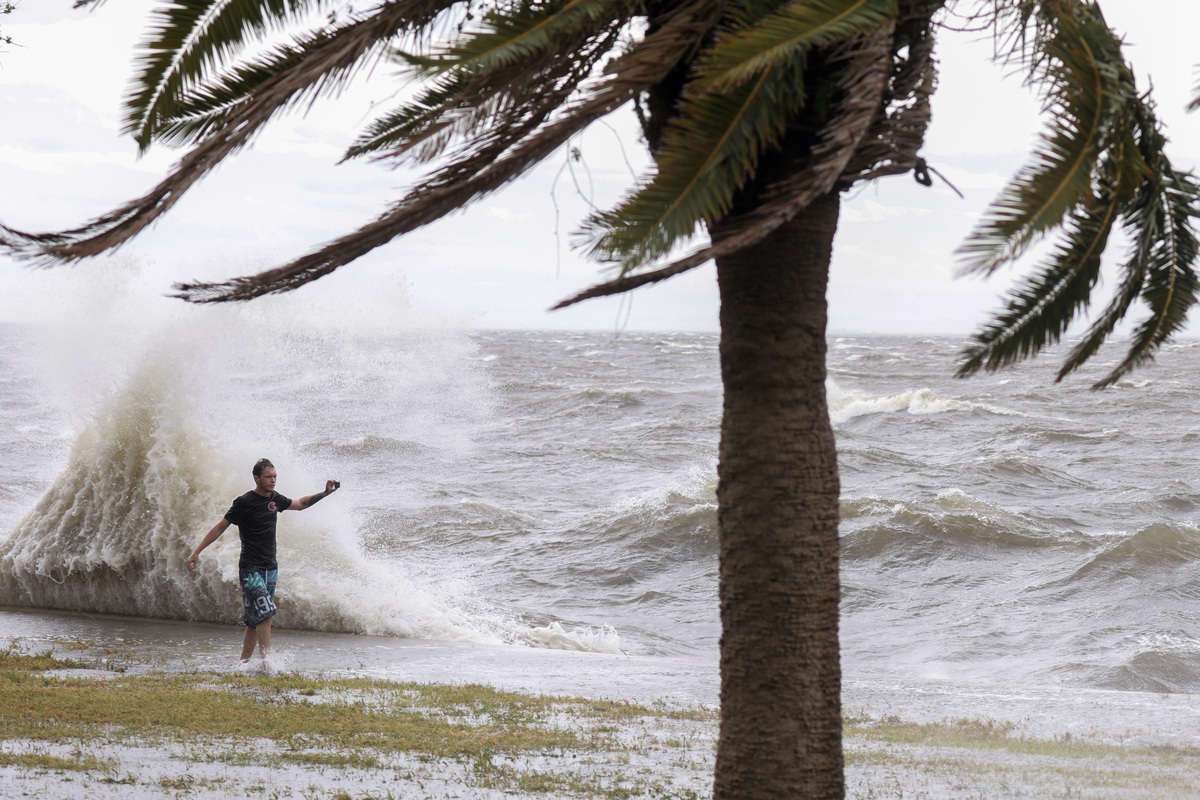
[(505, 261)]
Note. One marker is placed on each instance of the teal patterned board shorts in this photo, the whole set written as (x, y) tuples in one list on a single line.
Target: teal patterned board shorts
[(258, 594)]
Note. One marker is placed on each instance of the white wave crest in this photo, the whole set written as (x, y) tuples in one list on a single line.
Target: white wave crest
[(555, 637), (845, 406)]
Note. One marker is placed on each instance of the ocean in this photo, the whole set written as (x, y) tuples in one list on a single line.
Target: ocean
[(539, 508)]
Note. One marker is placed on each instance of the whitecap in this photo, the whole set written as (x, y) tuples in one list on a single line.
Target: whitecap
[(555, 637), (845, 406)]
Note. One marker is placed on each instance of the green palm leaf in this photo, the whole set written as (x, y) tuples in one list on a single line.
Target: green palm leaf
[(326, 58), (1039, 312), (472, 108), (204, 109), (1171, 284), (1085, 68), (1156, 204), (1143, 220), (708, 152), (789, 32), (423, 113), (186, 39), (485, 81), (861, 87), (530, 30)]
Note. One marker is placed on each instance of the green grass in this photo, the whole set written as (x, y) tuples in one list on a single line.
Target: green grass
[(43, 761), (981, 734), (13, 660), (892, 758), (439, 721), (344, 724)]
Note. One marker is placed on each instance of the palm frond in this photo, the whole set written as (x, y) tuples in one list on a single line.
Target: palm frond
[(1155, 204), (786, 34), (526, 31), (463, 182), (1170, 286), (321, 64), (1039, 311), (181, 92), (863, 84), (423, 113), (1144, 221), (461, 104), (708, 152), (201, 110), (186, 38), (1084, 69)]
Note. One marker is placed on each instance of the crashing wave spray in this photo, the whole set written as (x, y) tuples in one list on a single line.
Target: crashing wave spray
[(146, 477), (140, 485), (105, 536)]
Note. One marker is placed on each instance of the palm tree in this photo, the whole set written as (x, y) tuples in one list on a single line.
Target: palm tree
[(758, 113)]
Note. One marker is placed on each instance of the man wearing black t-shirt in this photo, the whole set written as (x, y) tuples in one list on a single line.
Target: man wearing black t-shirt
[(254, 514)]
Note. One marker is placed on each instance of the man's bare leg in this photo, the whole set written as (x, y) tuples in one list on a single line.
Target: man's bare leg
[(248, 642), (260, 636), (264, 637)]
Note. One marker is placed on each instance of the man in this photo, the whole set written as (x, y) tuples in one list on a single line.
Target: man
[(255, 514)]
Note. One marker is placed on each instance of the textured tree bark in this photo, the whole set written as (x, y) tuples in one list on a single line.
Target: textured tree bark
[(781, 724)]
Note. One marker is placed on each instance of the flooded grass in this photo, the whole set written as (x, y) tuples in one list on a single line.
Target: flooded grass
[(42, 761), (970, 758), (95, 728), (218, 733)]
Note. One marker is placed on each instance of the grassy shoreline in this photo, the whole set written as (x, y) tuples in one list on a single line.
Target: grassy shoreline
[(975, 759), (68, 725), (95, 727)]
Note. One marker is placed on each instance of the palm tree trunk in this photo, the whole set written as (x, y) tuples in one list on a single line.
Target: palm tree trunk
[(781, 725)]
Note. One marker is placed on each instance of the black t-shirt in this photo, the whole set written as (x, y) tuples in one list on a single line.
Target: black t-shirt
[(255, 518)]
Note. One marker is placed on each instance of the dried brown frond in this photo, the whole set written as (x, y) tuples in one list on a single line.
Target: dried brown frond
[(898, 133), (461, 183), (337, 54), (501, 97)]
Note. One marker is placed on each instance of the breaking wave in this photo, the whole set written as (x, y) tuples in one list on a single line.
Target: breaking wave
[(142, 483), (844, 406)]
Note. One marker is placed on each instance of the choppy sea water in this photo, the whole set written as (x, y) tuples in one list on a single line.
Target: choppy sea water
[(521, 494)]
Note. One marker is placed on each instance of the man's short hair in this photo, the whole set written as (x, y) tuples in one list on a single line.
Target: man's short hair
[(260, 465)]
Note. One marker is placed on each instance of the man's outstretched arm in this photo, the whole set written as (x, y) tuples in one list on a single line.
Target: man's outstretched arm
[(311, 500), (210, 537)]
